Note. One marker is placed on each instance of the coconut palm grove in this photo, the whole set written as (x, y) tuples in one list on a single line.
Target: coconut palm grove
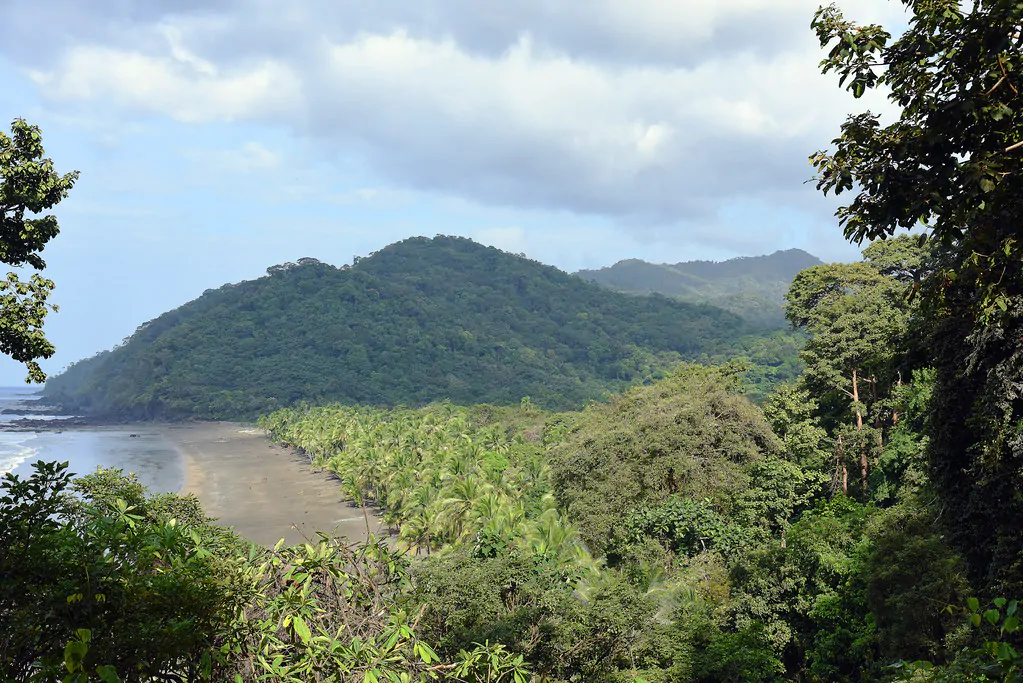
[(775, 469)]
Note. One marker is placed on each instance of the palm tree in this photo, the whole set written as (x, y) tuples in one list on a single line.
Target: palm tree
[(351, 486), (461, 497)]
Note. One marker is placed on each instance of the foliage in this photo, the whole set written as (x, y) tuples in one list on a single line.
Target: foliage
[(747, 570), (467, 489), (327, 612), (951, 161), (770, 361), (908, 574), (419, 321), (692, 435), (673, 532), (858, 316), (531, 604), (743, 656), (684, 527), (109, 585), (438, 477), (108, 582), (789, 587), (793, 414), (28, 185), (994, 658), (752, 287)]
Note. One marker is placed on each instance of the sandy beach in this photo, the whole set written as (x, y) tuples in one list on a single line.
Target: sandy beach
[(266, 492)]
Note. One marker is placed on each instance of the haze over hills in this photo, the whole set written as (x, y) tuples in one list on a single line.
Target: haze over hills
[(419, 321), (751, 286)]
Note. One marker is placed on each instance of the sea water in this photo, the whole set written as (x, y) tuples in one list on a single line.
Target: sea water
[(142, 450)]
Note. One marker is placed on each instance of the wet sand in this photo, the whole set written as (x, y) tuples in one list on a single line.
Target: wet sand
[(266, 492)]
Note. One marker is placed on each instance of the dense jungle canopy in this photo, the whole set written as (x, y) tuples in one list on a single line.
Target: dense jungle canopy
[(419, 321), (752, 287)]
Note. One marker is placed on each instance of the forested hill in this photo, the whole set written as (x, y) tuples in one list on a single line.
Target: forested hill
[(419, 321), (752, 286)]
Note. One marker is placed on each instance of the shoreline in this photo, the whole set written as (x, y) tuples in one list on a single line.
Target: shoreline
[(262, 490)]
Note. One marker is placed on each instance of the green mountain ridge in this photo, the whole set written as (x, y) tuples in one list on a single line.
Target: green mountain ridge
[(421, 320), (751, 286)]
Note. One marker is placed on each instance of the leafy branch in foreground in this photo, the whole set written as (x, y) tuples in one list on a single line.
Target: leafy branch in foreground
[(118, 586), (995, 659), (29, 185), (951, 165)]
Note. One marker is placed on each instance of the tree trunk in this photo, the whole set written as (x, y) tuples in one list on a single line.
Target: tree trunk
[(841, 466), (365, 516), (859, 427), (895, 413), (856, 399), (878, 422)]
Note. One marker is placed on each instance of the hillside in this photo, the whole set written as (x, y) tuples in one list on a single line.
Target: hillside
[(419, 321), (751, 286)]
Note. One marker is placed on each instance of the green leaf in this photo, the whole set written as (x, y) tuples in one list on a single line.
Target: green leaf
[(992, 616), (302, 629), (108, 674), (973, 604), (74, 654), (426, 653)]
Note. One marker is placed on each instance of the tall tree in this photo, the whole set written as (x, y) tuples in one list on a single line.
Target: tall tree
[(856, 318), (953, 161), (28, 186)]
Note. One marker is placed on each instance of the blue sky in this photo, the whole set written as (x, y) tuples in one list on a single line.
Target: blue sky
[(218, 138)]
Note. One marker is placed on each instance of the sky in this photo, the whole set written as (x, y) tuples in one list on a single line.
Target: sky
[(216, 138)]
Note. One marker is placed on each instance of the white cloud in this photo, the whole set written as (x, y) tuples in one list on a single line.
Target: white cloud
[(167, 85), (251, 157), (648, 111), (182, 54)]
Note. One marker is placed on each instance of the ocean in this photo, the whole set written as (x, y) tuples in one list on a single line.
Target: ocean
[(139, 449)]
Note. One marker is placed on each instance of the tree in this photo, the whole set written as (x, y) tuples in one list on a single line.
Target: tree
[(692, 435), (952, 159), (953, 162), (857, 318), (28, 186), (110, 579)]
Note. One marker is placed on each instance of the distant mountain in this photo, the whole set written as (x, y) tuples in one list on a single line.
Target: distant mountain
[(751, 286), (419, 321)]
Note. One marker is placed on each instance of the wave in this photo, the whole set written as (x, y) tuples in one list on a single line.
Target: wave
[(14, 450)]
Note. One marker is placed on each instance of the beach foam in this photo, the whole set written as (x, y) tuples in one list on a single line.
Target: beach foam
[(15, 449)]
